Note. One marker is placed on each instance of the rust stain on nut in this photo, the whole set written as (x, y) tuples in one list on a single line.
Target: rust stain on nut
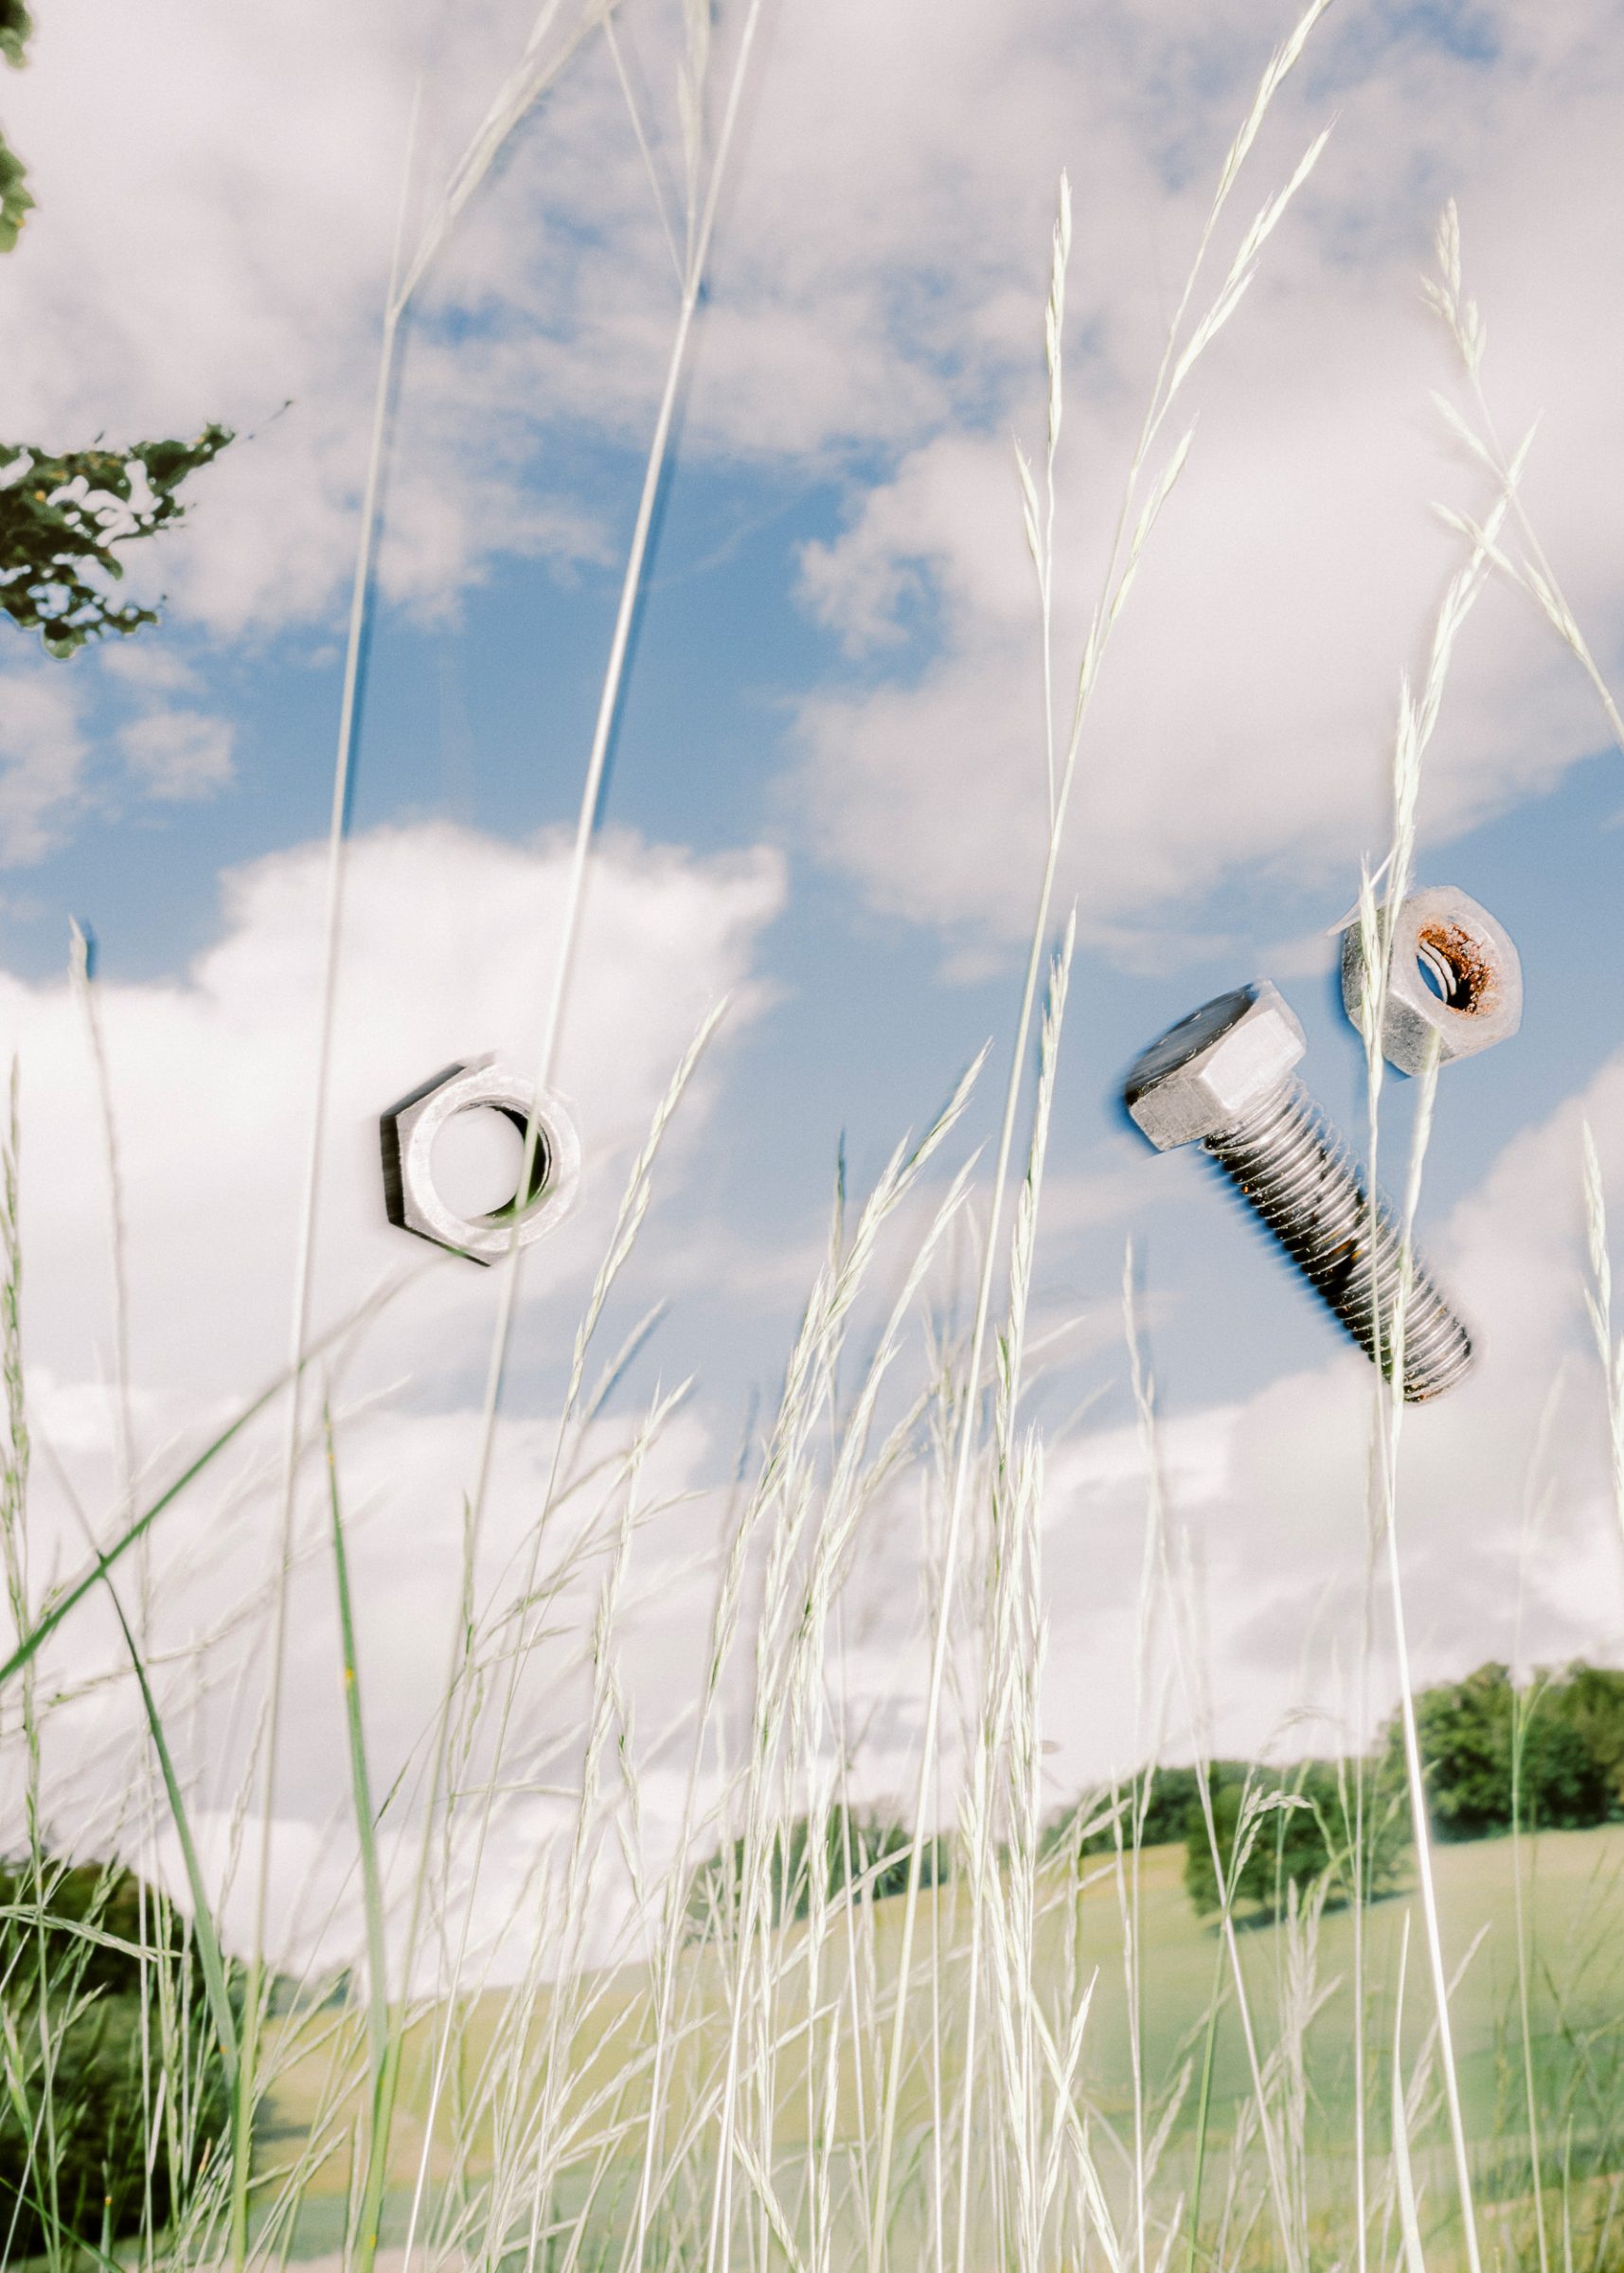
[(1453, 984), (1472, 976)]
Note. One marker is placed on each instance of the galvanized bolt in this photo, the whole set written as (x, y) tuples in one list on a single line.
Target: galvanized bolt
[(1224, 1079)]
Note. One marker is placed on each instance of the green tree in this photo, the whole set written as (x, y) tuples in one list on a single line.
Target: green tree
[(15, 27), (1095, 1822), (60, 518), (97, 1974), (1591, 1699), (1561, 1784), (1478, 1734), (63, 514), (862, 1850), (1277, 1830), (1464, 1732)]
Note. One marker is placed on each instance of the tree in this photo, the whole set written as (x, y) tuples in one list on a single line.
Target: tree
[(62, 515), (1095, 1822), (1558, 1743), (865, 1852), (1590, 1698), (1464, 1732), (15, 26), (99, 1975), (1275, 1831)]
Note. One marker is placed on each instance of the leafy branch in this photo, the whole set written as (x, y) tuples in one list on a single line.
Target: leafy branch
[(15, 27), (60, 518)]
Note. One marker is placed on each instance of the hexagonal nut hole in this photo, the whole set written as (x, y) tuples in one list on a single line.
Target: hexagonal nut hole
[(407, 1133), (1213, 1069), (1453, 971)]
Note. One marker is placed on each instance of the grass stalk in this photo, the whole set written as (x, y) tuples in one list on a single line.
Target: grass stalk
[(702, 224), (383, 2041), (33, 1637), (1122, 564), (299, 1336)]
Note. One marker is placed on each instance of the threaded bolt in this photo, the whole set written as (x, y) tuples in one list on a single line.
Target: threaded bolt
[(1224, 1078)]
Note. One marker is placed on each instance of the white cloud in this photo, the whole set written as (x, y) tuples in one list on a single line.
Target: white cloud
[(448, 943), (42, 754), (178, 754), (447, 952), (215, 212), (212, 239), (1510, 1542), (1244, 716)]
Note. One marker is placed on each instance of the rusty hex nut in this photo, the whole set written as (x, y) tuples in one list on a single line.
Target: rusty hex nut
[(408, 1130), (1453, 971), (1215, 1067)]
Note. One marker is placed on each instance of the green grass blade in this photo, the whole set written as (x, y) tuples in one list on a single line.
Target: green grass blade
[(384, 2049), (208, 1948)]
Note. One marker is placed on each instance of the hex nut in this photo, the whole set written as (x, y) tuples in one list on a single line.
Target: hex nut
[(408, 1130), (1211, 1070), (1453, 971)]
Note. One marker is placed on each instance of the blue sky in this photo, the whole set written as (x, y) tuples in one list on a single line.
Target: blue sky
[(826, 786)]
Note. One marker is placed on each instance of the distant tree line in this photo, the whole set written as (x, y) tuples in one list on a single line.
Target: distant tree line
[(1548, 1755), (1274, 1830), (864, 1852)]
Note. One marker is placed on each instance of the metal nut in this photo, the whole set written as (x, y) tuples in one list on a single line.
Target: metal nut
[(408, 1130), (1212, 1069), (1453, 971)]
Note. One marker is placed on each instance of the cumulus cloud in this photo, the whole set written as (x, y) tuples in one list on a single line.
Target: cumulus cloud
[(447, 948), (43, 754), (212, 240), (178, 754), (447, 940), (1509, 1537), (215, 213), (1245, 716)]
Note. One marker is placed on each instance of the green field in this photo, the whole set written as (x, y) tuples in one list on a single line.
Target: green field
[(1574, 1909)]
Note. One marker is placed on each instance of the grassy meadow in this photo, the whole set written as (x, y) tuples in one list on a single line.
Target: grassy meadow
[(1573, 1944)]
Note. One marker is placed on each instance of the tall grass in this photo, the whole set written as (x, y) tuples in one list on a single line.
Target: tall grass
[(1038, 2059)]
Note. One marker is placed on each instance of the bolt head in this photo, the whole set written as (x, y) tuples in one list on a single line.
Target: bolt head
[(1476, 997), (408, 1130), (1211, 1070)]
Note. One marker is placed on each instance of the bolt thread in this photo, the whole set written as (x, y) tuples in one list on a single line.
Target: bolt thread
[(1297, 1175)]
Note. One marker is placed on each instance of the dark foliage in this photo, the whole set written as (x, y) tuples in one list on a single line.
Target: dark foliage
[(62, 517), (95, 2182), (1294, 1827), (1589, 1699), (863, 1852), (15, 28), (1555, 1747), (1158, 1816)]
